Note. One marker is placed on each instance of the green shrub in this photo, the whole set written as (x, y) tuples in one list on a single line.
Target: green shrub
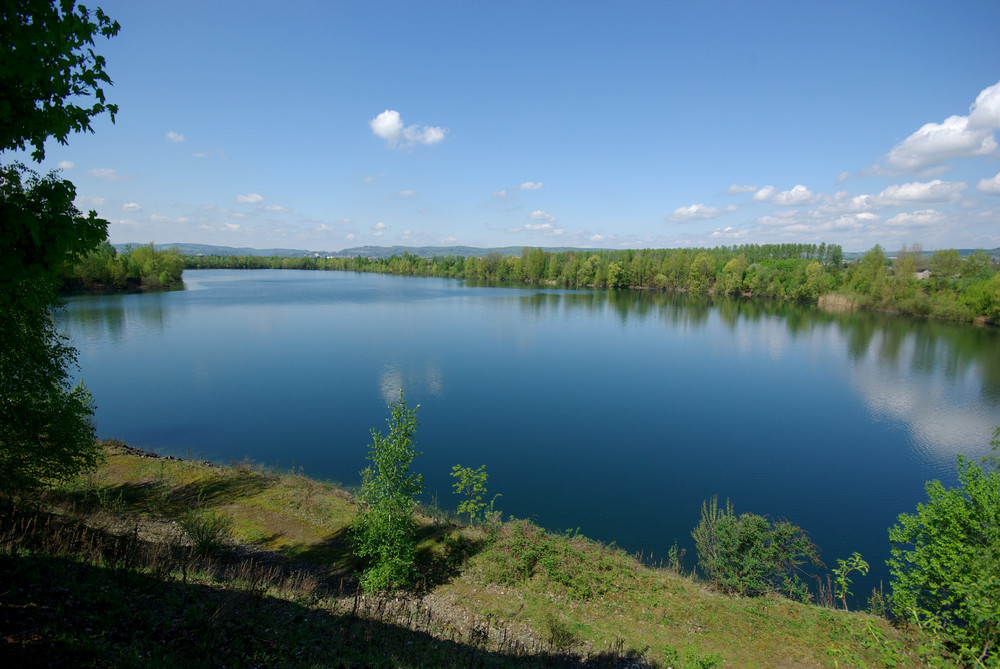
[(945, 565), (209, 531), (751, 556)]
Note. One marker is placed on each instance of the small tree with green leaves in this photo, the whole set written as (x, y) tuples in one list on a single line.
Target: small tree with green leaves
[(385, 531), (841, 572), (472, 484), (945, 565)]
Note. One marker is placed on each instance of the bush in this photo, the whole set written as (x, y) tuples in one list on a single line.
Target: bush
[(209, 531), (945, 565), (751, 556)]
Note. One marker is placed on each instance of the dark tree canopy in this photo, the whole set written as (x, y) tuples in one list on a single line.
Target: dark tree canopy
[(51, 80)]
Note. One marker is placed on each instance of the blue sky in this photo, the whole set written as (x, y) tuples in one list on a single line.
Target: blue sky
[(328, 125)]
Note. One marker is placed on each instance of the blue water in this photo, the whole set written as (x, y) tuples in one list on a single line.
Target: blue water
[(617, 413)]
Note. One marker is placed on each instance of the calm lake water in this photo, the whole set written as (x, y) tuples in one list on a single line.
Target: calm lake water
[(613, 412)]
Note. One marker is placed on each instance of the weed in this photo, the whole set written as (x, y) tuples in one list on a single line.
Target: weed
[(560, 636)]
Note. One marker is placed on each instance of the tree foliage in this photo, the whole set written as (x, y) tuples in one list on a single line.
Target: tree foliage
[(471, 484), (945, 565), (385, 531), (750, 555), (50, 72), (47, 69)]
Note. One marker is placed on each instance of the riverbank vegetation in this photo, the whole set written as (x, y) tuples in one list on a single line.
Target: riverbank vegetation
[(942, 285), (135, 268)]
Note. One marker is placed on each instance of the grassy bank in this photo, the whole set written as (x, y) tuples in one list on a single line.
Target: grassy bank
[(158, 562)]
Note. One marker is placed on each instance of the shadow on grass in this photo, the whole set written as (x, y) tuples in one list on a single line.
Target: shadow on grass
[(59, 611)]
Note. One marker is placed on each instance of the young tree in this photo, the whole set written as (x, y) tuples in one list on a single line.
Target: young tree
[(385, 531), (945, 565), (47, 68), (472, 484)]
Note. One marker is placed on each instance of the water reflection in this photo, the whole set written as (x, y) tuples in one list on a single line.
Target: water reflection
[(951, 410)]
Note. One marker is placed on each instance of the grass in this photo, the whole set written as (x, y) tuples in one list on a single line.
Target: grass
[(100, 573)]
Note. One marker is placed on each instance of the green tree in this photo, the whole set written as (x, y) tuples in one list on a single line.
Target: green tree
[(472, 484), (47, 69), (945, 565), (385, 531)]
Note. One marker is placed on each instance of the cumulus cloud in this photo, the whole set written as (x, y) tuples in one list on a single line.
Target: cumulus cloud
[(407, 194), (917, 192), (250, 198), (131, 206), (990, 186), (389, 126), (764, 194), (379, 229), (798, 196), (175, 137), (530, 185), (916, 219), (985, 111), (274, 208), (737, 189), (955, 137), (502, 194), (66, 164), (694, 212), (539, 215)]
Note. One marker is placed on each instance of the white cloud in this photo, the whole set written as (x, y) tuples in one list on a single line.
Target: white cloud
[(273, 207), (250, 198), (232, 227), (917, 192), (955, 137), (694, 212), (530, 185), (449, 240), (131, 206), (156, 218), (502, 194), (105, 173), (764, 194), (66, 164), (87, 201), (737, 189), (796, 197), (372, 178), (407, 194), (389, 126), (916, 219), (175, 137), (990, 186), (379, 229), (985, 111), (539, 215)]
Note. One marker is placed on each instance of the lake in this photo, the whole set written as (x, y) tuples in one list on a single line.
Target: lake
[(615, 412)]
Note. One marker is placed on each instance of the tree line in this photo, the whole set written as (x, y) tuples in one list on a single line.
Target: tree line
[(141, 267), (940, 285)]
